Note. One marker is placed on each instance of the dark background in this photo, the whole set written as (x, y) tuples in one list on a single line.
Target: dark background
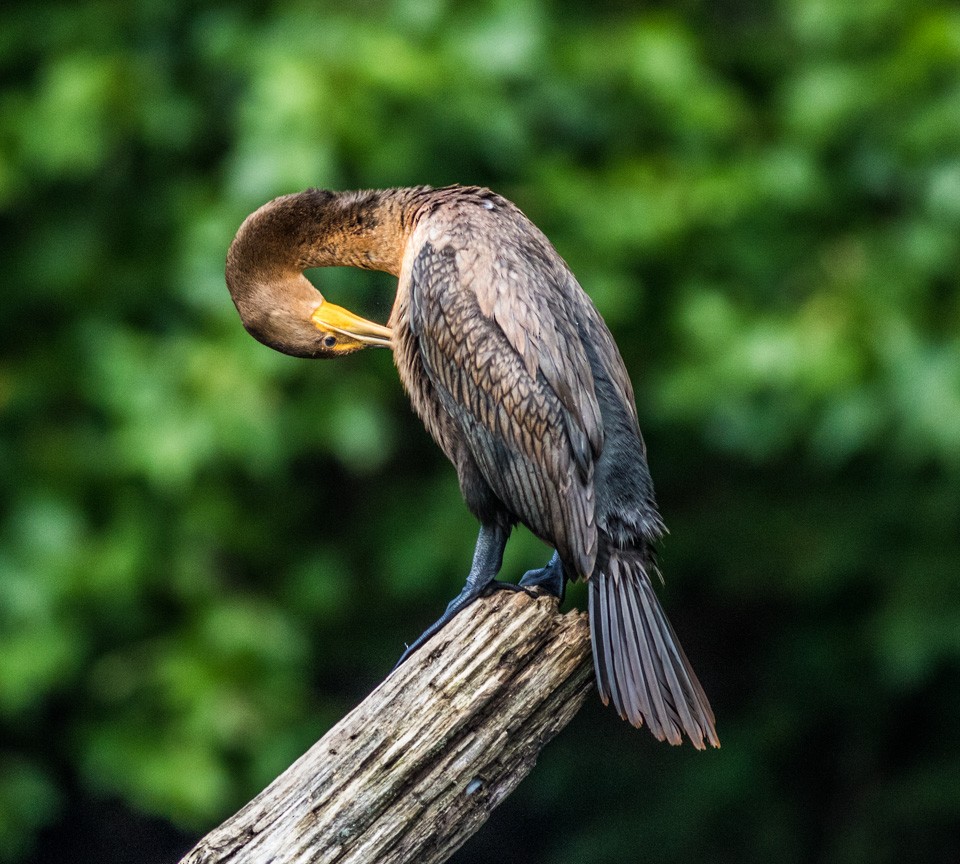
[(210, 552)]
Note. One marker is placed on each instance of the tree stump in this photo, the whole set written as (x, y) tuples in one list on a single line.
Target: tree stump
[(419, 765)]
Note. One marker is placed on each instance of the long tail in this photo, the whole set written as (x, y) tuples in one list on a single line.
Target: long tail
[(639, 663)]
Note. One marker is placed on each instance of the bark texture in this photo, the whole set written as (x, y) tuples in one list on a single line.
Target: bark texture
[(419, 765)]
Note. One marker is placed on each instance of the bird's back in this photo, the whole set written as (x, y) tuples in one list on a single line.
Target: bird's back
[(493, 327)]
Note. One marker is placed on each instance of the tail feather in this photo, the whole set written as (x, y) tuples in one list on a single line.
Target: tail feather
[(653, 704), (602, 643), (639, 663)]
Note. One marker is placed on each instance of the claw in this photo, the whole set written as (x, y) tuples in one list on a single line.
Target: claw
[(551, 578)]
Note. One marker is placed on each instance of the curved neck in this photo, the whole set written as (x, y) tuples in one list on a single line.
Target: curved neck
[(317, 228)]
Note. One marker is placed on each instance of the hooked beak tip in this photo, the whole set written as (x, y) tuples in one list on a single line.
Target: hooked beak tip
[(329, 316)]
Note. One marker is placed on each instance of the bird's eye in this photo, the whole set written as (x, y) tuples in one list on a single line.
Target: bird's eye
[(329, 341)]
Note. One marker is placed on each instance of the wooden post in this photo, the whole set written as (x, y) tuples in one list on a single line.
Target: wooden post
[(419, 765)]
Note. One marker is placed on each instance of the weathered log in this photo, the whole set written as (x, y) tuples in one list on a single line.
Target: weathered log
[(419, 765)]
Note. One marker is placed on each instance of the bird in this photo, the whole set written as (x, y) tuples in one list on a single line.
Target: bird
[(515, 375)]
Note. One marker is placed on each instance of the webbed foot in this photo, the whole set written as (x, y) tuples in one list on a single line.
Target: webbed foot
[(551, 578)]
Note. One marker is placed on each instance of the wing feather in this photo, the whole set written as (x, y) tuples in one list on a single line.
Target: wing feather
[(532, 449)]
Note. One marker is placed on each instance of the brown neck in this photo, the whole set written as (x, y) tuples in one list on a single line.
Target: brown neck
[(315, 228)]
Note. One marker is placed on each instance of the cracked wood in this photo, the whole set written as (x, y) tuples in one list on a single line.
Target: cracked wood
[(419, 765)]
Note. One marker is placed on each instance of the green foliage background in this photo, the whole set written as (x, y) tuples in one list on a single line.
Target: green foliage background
[(209, 552)]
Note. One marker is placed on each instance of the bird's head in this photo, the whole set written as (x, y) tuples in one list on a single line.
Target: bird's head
[(278, 304), (342, 332), (291, 316)]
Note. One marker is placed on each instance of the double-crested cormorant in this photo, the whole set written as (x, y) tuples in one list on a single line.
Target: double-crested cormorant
[(517, 378)]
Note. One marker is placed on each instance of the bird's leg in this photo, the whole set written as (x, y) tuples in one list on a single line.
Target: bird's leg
[(551, 578), (481, 580)]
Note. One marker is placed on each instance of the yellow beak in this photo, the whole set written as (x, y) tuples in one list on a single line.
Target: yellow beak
[(329, 316)]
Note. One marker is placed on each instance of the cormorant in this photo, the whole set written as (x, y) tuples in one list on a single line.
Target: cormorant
[(517, 378)]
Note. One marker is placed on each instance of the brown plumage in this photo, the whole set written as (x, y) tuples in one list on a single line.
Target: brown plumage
[(517, 378)]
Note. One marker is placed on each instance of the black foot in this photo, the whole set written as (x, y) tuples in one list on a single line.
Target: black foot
[(461, 601), (507, 586), (481, 581), (550, 578)]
